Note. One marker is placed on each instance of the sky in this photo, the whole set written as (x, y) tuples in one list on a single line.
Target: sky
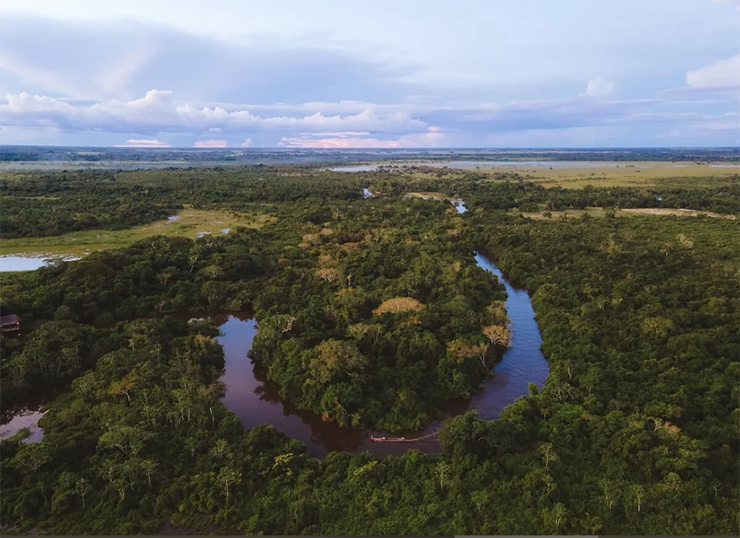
[(370, 74)]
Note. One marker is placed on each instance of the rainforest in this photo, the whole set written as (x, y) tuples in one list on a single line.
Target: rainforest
[(372, 315)]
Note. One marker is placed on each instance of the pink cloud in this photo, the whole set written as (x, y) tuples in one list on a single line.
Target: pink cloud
[(247, 143), (339, 134), (432, 138), (337, 143), (211, 144), (138, 143)]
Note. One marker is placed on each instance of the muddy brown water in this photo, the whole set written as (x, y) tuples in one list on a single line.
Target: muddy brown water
[(256, 400)]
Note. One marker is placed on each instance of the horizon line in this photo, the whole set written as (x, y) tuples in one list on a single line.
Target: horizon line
[(458, 148)]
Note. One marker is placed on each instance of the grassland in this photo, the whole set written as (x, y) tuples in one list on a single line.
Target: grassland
[(188, 223), (598, 174), (599, 212), (628, 175)]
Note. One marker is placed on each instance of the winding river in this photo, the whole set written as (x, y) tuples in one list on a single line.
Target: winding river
[(255, 400)]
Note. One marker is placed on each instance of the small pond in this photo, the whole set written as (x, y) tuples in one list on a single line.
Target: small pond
[(25, 418), (459, 206), (29, 263)]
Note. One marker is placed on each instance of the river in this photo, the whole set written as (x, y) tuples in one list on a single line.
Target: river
[(255, 400)]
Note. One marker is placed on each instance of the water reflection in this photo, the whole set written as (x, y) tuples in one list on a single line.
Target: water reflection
[(26, 418), (523, 362), (29, 263), (256, 400), (18, 263), (459, 206)]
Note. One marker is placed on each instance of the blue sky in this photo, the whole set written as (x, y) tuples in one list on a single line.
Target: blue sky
[(353, 73)]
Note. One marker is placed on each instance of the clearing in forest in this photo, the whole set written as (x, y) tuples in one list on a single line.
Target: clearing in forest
[(186, 223), (676, 212), (624, 212)]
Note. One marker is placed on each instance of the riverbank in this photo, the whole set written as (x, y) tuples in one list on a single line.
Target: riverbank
[(256, 400)]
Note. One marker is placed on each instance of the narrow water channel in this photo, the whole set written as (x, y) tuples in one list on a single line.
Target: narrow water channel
[(255, 400)]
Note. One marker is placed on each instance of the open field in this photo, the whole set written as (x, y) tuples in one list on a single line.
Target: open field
[(428, 196), (649, 174), (596, 212), (599, 212), (616, 174), (581, 174), (189, 223), (677, 212)]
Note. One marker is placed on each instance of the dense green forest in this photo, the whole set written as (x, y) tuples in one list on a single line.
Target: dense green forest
[(36, 204), (372, 312)]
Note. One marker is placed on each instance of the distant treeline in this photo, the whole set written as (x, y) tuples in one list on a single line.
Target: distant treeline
[(53, 203), (246, 156)]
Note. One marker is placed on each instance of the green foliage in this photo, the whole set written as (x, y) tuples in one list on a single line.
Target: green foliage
[(635, 431)]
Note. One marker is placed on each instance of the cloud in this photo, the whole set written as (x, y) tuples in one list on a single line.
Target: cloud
[(336, 143), (123, 58), (432, 138), (598, 87), (134, 143), (350, 124), (36, 76), (721, 74), (247, 142), (115, 79), (339, 134), (211, 144), (157, 112)]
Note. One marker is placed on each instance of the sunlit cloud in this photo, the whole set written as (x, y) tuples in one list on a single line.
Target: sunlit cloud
[(139, 143), (157, 111), (432, 138), (85, 81), (337, 143), (211, 144), (721, 74)]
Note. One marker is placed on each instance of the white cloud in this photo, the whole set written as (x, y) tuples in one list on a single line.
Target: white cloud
[(432, 138), (336, 143), (211, 144), (598, 87), (158, 112), (138, 143), (339, 134), (247, 142), (124, 58), (721, 74)]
